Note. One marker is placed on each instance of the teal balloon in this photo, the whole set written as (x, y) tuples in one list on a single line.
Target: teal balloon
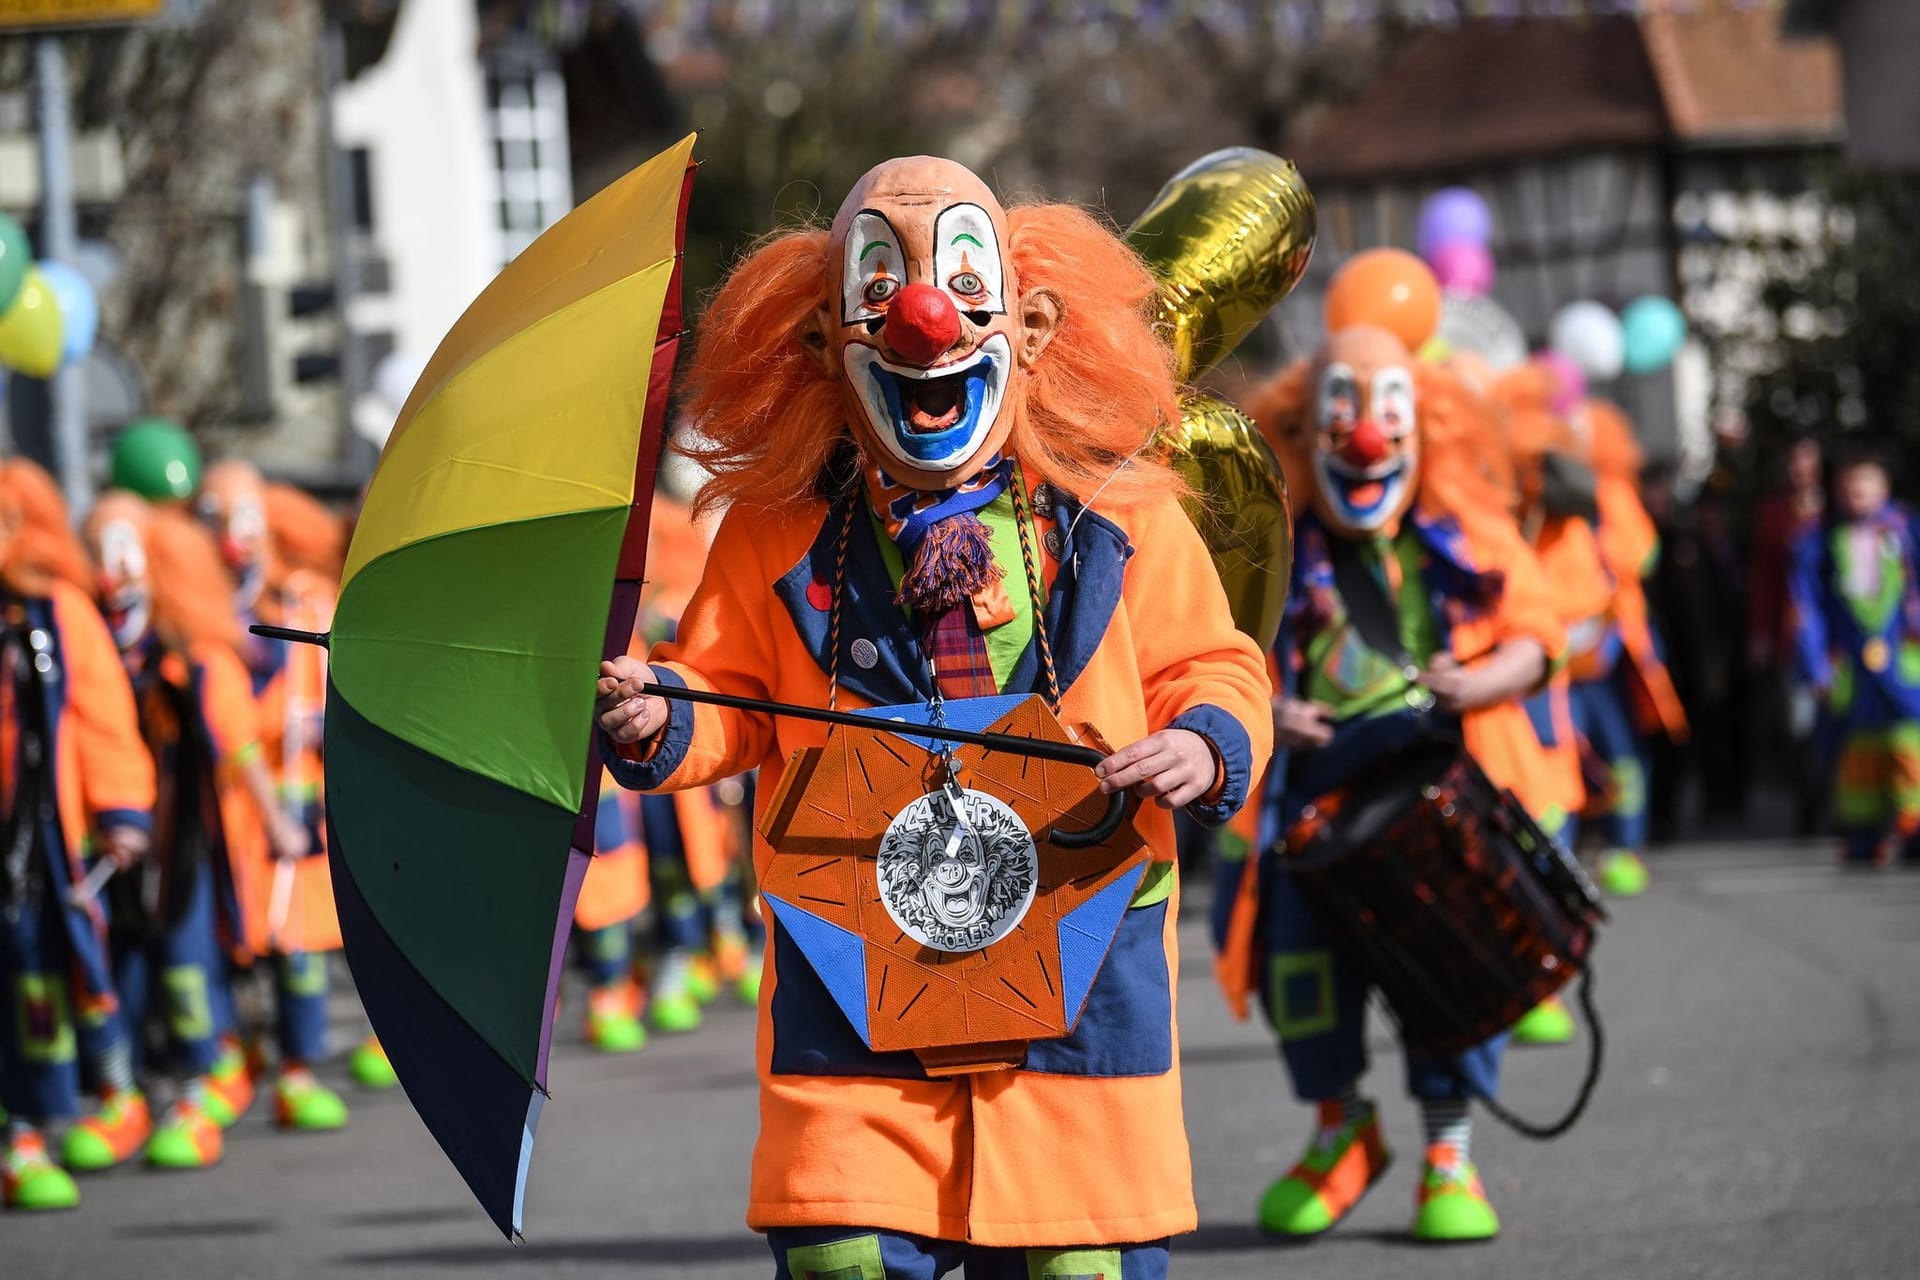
[(1653, 328), (79, 309), (16, 258)]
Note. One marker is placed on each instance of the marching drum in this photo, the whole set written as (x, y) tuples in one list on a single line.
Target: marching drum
[(1464, 913)]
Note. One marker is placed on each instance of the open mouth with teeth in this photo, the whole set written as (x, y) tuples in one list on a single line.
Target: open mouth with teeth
[(932, 419), (1361, 498)]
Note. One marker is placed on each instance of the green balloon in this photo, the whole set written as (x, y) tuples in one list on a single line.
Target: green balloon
[(157, 460), (16, 256)]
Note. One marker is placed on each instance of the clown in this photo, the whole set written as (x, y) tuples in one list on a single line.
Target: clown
[(1580, 460), (932, 424), (284, 552), (71, 750), (165, 596), (1415, 613)]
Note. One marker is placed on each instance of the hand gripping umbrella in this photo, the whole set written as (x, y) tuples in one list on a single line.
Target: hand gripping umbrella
[(496, 562)]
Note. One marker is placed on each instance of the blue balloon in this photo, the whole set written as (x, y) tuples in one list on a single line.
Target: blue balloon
[(1453, 215), (1654, 328), (79, 309)]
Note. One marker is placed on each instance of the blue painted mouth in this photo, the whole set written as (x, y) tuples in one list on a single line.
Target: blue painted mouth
[(1363, 514), (933, 446)]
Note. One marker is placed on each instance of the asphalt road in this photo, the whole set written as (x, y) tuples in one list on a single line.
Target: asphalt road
[(1760, 1117)]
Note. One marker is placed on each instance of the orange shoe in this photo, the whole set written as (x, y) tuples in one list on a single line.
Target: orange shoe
[(110, 1136), (229, 1085), (188, 1138), (1347, 1157), (730, 956)]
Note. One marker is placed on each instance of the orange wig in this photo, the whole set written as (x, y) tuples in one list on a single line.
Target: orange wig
[(192, 592), (43, 549), (1612, 446), (304, 534), (767, 418)]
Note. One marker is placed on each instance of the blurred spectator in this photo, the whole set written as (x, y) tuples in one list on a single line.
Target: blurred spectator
[(1787, 707), (1697, 594)]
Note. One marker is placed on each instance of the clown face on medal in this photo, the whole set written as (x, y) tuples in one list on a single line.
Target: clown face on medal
[(957, 870), (926, 327), (1366, 459)]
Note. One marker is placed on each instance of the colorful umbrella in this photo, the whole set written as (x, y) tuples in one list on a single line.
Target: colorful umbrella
[(496, 562)]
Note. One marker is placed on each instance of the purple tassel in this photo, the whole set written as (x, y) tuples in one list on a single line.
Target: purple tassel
[(953, 561)]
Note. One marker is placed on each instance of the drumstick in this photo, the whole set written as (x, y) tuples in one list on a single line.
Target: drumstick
[(281, 902), (96, 880)]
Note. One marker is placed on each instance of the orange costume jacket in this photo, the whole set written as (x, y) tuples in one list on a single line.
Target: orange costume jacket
[(102, 774), (290, 684), (1085, 1142)]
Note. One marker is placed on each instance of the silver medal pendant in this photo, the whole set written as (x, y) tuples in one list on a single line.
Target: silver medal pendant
[(957, 870)]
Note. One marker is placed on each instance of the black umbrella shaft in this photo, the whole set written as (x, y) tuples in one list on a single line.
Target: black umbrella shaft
[(321, 638), (1012, 744)]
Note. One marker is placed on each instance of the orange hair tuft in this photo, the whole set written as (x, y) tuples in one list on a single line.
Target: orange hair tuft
[(304, 534), (1278, 407), (192, 592), (44, 547), (1612, 446), (1104, 387), (766, 419)]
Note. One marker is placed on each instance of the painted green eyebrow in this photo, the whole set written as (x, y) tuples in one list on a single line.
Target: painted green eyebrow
[(871, 246), (969, 238)]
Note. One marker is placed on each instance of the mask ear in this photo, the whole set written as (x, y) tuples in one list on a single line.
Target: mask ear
[(1041, 312), (812, 337)]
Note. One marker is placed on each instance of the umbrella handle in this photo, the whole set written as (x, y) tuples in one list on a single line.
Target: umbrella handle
[(1100, 832)]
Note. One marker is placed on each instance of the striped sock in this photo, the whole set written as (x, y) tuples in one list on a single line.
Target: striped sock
[(116, 1067), (1448, 1124)]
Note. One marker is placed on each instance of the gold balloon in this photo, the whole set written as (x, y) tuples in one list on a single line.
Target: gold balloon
[(1240, 507), (1228, 237)]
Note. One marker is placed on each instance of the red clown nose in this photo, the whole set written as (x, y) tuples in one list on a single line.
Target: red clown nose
[(1366, 447), (922, 323)]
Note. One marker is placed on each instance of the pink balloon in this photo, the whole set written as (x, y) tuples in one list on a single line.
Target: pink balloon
[(1463, 267), (1570, 383)]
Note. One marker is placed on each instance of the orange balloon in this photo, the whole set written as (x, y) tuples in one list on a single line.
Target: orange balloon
[(1388, 289)]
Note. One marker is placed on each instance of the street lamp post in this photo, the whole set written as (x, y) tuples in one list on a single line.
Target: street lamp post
[(59, 241)]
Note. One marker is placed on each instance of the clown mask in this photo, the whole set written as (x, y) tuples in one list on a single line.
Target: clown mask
[(233, 508), (924, 324), (115, 535), (1366, 458)]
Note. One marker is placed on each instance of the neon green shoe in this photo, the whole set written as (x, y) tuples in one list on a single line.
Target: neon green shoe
[(675, 1014), (29, 1179), (302, 1102), (110, 1136), (228, 1086), (1451, 1206), (703, 979), (370, 1067), (1549, 1022), (747, 989), (613, 1021), (674, 1006), (188, 1138), (1623, 874), (1343, 1163)]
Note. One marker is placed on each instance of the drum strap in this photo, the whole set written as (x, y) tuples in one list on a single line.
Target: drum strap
[(1372, 612)]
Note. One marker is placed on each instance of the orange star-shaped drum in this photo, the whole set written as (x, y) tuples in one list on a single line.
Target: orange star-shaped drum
[(944, 915)]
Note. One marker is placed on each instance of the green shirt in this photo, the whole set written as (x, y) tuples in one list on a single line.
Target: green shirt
[(1006, 642), (1343, 673)]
